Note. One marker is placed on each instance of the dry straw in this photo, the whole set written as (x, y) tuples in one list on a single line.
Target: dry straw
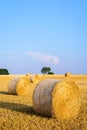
[(12, 86), (26, 85), (20, 86), (67, 74), (34, 80), (60, 99), (28, 75)]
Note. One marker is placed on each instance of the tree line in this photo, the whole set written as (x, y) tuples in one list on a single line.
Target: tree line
[(4, 72), (44, 70)]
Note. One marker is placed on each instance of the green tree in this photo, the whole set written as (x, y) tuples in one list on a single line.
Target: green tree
[(4, 72), (45, 70), (50, 72), (48, 69)]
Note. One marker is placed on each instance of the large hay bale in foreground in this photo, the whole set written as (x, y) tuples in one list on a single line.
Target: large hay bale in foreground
[(60, 99), (12, 86)]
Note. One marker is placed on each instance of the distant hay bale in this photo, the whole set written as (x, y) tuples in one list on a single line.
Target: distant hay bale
[(23, 86), (67, 74), (54, 98), (12, 86), (28, 75), (37, 76), (33, 84), (34, 79), (20, 86)]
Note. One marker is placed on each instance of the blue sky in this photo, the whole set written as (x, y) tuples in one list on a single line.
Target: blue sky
[(38, 33)]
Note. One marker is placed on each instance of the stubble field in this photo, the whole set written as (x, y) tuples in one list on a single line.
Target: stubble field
[(16, 112)]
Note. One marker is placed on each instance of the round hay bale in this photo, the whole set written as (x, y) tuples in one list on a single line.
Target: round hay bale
[(34, 79), (67, 74), (54, 98), (28, 76), (12, 86), (23, 86), (37, 76)]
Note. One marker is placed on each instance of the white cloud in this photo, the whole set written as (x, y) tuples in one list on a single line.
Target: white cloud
[(46, 58)]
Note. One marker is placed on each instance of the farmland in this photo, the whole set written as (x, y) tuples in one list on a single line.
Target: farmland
[(16, 112)]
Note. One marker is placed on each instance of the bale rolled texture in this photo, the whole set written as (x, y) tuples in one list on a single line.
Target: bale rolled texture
[(23, 86), (12, 86), (57, 98), (20, 86)]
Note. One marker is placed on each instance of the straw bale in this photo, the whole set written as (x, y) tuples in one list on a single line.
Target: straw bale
[(42, 97), (28, 75), (33, 82), (57, 98), (33, 79), (12, 85), (23, 86), (68, 98), (67, 74)]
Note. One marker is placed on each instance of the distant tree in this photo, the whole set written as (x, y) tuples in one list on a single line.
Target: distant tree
[(50, 72), (46, 70), (4, 72)]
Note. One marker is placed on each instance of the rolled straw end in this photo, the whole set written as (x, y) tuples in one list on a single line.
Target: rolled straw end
[(23, 86), (66, 99), (60, 99)]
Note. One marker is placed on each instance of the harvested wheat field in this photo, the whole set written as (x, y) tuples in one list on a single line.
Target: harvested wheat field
[(17, 113)]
